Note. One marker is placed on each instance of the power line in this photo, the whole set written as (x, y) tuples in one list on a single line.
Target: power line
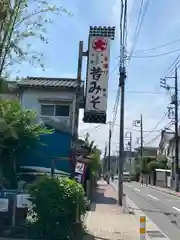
[(144, 92), (136, 29), (115, 109), (135, 130), (156, 55), (159, 46), (171, 68), (169, 72), (157, 136), (157, 125), (139, 25)]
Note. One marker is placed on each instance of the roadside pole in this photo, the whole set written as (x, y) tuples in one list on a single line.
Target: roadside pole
[(174, 101), (77, 103), (176, 133), (130, 155), (109, 153), (141, 147), (122, 77)]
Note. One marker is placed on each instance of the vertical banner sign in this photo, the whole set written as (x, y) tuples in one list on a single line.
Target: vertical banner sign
[(97, 79)]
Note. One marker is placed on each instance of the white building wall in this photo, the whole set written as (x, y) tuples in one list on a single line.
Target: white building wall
[(30, 100)]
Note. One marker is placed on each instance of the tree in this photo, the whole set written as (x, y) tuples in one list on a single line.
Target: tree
[(94, 154), (16, 135), (95, 163), (159, 163), (151, 166), (24, 21)]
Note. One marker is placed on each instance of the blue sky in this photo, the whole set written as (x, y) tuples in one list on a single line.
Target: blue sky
[(161, 25)]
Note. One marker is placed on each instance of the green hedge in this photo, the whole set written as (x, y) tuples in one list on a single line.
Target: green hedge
[(56, 204)]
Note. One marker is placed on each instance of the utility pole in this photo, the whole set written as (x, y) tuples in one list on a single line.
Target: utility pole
[(176, 132), (104, 160), (130, 155), (141, 147), (122, 77), (109, 152), (174, 101), (77, 103)]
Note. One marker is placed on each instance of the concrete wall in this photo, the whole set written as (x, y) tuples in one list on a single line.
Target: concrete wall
[(30, 99)]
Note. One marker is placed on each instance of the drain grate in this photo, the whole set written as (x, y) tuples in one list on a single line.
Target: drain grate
[(155, 234)]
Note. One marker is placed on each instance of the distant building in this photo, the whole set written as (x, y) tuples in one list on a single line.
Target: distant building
[(163, 148), (114, 163)]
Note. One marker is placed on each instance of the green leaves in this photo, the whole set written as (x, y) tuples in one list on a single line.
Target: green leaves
[(27, 21), (56, 202), (17, 132)]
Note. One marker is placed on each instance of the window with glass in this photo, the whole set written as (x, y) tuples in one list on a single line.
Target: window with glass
[(55, 110)]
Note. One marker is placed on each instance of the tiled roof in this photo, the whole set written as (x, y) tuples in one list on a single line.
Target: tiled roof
[(48, 82)]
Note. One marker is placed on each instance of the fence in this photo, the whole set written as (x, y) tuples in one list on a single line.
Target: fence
[(13, 208)]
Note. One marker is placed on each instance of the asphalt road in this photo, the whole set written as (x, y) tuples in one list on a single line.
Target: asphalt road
[(163, 209)]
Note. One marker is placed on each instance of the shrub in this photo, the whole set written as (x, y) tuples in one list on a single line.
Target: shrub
[(55, 204)]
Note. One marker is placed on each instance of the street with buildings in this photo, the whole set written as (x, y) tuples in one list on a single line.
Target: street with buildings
[(161, 207)]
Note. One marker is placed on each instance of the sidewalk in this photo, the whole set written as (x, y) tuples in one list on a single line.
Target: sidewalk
[(106, 220), (166, 190)]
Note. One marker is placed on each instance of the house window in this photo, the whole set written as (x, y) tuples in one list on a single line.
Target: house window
[(47, 110), (55, 110), (62, 110)]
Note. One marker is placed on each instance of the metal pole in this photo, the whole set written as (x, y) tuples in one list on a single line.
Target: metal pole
[(141, 147), (122, 77), (176, 133), (121, 144), (109, 152), (130, 155), (104, 161), (77, 102)]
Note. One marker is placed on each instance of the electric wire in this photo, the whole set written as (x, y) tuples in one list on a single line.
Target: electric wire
[(123, 41), (157, 136), (158, 47), (155, 55), (156, 126), (136, 29), (168, 73), (139, 26)]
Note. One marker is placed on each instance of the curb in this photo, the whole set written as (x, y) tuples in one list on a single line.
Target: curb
[(134, 210), (170, 193), (150, 225)]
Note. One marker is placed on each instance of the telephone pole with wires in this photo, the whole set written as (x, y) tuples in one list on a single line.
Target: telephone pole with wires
[(122, 77), (174, 102), (141, 148), (104, 161), (139, 123), (128, 136), (109, 152)]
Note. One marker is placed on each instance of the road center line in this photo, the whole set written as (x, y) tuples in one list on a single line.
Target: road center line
[(153, 197), (137, 189), (177, 209)]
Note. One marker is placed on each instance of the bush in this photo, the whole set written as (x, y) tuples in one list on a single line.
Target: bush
[(55, 205)]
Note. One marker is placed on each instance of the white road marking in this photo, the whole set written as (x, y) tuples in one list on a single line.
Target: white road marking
[(177, 209), (137, 189), (153, 197)]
